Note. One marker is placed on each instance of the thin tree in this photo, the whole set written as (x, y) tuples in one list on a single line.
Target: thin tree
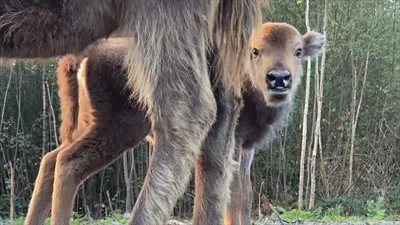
[(133, 174), (4, 104), (5, 96), (305, 116), (319, 114), (12, 192), (44, 124), (53, 115), (313, 119), (128, 183), (355, 112)]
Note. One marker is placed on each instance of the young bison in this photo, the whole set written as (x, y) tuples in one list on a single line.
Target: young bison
[(275, 65), (100, 121)]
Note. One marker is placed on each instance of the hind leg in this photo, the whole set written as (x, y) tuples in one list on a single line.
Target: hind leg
[(215, 164), (247, 191), (234, 211), (39, 206), (95, 149)]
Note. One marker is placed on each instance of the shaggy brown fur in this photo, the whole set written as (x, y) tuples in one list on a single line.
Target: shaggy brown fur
[(98, 122), (102, 102), (277, 52), (90, 104), (171, 39)]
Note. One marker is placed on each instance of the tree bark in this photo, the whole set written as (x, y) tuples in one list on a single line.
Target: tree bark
[(128, 184), (305, 116), (355, 113), (5, 97), (133, 175), (44, 124), (12, 194), (53, 115), (319, 115), (313, 119)]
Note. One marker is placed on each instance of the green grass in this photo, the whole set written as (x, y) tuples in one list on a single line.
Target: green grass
[(335, 214), (295, 214), (76, 220)]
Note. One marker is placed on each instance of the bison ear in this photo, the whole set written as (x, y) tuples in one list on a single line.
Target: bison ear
[(313, 43)]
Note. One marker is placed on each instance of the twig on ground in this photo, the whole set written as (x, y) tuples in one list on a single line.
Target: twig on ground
[(277, 214)]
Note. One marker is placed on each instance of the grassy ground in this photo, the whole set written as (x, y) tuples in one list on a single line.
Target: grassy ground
[(332, 217)]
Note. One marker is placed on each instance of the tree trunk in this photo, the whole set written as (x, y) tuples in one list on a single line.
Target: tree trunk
[(44, 113), (313, 119), (12, 194), (18, 98), (352, 119), (53, 115), (84, 202), (128, 184), (305, 116), (355, 113), (317, 131), (133, 175), (101, 205), (3, 153), (5, 97)]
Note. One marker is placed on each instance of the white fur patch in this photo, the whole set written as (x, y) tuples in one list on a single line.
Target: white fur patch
[(81, 75)]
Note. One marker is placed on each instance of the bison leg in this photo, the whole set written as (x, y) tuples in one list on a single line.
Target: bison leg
[(174, 83), (215, 164), (247, 191), (40, 204), (181, 121), (234, 211), (99, 146)]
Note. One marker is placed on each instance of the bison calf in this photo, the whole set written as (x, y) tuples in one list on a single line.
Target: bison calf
[(275, 66)]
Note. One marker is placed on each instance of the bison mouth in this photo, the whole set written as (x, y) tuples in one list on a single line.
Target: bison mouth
[(280, 90), (279, 94)]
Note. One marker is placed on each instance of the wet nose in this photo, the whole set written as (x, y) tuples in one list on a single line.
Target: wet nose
[(278, 78)]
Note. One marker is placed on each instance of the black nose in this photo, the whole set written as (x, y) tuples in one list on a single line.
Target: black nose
[(278, 78)]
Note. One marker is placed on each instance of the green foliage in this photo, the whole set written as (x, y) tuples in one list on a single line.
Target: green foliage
[(20, 206), (393, 217), (333, 214), (352, 205), (392, 200), (357, 205), (336, 214), (376, 210), (294, 215)]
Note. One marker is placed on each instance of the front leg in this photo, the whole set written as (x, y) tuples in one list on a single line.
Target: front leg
[(215, 164), (178, 137), (247, 190), (234, 210), (183, 110)]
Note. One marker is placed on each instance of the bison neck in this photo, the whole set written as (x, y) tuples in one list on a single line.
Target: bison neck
[(259, 122)]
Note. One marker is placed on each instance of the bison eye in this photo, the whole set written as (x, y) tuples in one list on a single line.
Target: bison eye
[(255, 53), (299, 53)]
